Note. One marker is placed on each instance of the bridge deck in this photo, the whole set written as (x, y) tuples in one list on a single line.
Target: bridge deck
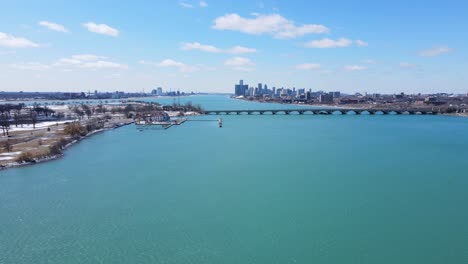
[(324, 111)]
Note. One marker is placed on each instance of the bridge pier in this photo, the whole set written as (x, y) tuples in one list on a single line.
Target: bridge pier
[(325, 111)]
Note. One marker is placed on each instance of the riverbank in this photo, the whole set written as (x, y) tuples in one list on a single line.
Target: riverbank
[(49, 143)]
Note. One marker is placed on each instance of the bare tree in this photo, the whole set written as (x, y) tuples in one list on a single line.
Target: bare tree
[(7, 146), (5, 123), (17, 117), (33, 116), (100, 108), (86, 110)]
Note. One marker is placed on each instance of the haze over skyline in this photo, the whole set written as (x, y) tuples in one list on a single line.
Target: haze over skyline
[(207, 46)]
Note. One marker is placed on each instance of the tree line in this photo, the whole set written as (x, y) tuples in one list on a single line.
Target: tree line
[(20, 114)]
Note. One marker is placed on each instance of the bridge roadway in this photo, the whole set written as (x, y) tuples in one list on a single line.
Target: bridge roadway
[(324, 111)]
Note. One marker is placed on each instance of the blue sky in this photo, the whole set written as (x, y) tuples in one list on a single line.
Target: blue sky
[(350, 46)]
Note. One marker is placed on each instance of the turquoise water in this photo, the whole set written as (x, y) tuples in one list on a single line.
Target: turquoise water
[(263, 189)]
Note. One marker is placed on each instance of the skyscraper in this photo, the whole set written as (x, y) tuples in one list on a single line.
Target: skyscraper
[(240, 89)]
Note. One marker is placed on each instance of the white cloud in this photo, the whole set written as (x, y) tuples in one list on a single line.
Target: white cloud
[(369, 61), (361, 43), (329, 43), (239, 62), (241, 50), (85, 61), (201, 47), (355, 68), (308, 66), (101, 29), (67, 61), (436, 51), (185, 5), (78, 59), (144, 62), (87, 57), (89, 61), (407, 65), (203, 4), (273, 24), (170, 63), (32, 66), (213, 49), (244, 69), (104, 65), (53, 26), (11, 41)]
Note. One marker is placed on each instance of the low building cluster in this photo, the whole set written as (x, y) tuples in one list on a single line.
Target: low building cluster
[(19, 96), (261, 92)]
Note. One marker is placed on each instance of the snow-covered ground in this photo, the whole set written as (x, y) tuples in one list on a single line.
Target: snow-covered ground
[(176, 113), (40, 125), (9, 155), (58, 107)]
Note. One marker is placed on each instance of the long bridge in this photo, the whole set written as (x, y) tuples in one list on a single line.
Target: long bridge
[(326, 111)]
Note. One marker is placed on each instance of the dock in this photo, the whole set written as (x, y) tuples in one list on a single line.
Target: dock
[(163, 125)]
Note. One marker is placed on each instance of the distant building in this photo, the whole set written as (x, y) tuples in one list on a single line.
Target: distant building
[(399, 96), (241, 88), (336, 94), (326, 98), (157, 91), (250, 91)]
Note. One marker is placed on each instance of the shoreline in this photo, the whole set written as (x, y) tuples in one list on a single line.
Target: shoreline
[(61, 155), (340, 106)]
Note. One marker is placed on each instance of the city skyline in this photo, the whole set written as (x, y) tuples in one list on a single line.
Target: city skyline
[(205, 46)]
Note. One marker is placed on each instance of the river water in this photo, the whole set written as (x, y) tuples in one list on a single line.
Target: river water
[(262, 189)]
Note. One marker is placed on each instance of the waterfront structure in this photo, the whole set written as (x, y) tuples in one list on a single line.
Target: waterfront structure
[(329, 111), (154, 118)]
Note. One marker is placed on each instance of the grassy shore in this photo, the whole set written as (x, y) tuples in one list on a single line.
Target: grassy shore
[(29, 146)]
